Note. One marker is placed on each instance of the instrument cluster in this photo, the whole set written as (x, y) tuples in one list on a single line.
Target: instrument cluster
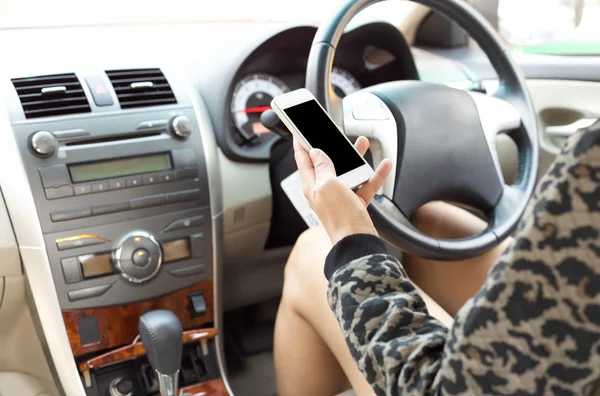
[(252, 96)]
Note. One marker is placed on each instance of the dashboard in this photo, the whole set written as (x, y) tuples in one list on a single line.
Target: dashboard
[(368, 55), (135, 169)]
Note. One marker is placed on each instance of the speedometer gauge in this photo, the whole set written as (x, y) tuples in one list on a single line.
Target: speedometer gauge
[(343, 83), (252, 96)]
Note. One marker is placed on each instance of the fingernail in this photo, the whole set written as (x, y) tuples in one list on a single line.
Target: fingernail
[(315, 154)]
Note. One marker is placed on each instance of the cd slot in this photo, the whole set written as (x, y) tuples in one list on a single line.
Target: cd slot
[(113, 138)]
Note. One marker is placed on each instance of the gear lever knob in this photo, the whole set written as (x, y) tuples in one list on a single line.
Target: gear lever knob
[(162, 336)]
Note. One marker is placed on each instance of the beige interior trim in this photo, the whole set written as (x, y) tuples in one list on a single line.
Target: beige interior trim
[(22, 361), (247, 209), (405, 15), (553, 96), (21, 349), (13, 384), (10, 265), (44, 301)]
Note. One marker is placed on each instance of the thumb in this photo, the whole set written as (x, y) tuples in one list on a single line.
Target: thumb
[(324, 169)]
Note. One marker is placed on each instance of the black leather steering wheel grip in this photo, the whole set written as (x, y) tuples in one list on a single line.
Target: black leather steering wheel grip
[(162, 336)]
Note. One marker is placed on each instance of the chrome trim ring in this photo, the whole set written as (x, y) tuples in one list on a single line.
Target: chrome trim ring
[(116, 255)]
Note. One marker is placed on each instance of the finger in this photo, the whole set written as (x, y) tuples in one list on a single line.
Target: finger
[(297, 145), (305, 167), (368, 191), (362, 145), (324, 169)]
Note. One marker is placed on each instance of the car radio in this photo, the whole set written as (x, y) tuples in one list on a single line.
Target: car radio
[(123, 202)]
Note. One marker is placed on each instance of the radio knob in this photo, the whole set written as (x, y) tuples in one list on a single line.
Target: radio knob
[(138, 256), (181, 127), (43, 143)]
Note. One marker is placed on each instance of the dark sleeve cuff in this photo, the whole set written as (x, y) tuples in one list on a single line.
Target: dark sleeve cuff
[(351, 248)]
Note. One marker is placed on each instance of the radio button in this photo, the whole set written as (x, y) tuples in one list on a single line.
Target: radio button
[(70, 134), (182, 196), (189, 173), (110, 208), (134, 181), (117, 184), (144, 202), (70, 214), (156, 124), (152, 178), (188, 271), (88, 292), (100, 187), (181, 224), (140, 258), (99, 90), (71, 270), (78, 241), (43, 143), (184, 157), (59, 192), (54, 176), (82, 189), (181, 127), (197, 244), (167, 177)]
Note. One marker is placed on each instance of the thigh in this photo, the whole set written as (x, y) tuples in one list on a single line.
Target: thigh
[(450, 283), (306, 285)]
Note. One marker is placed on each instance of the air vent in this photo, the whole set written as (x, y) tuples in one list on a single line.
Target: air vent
[(45, 96), (141, 88)]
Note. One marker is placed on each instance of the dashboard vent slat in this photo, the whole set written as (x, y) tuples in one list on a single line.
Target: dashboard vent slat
[(45, 96), (141, 88)]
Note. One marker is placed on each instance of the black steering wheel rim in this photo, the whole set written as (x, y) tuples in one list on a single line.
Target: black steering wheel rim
[(512, 89)]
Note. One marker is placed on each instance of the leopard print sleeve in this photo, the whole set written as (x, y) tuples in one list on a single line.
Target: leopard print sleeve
[(533, 328)]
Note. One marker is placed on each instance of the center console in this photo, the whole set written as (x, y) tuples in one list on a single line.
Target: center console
[(124, 206), (123, 202)]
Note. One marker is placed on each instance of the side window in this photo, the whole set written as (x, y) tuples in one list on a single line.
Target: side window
[(550, 27)]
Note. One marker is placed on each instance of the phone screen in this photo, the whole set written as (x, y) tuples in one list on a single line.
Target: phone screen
[(320, 132)]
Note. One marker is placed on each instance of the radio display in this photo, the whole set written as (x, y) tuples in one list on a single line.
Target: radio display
[(121, 167)]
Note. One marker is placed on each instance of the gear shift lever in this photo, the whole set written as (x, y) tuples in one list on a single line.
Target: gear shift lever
[(162, 336)]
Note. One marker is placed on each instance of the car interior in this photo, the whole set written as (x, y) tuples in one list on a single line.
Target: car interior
[(144, 231)]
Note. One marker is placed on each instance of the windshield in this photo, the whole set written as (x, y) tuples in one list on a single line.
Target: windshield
[(32, 13)]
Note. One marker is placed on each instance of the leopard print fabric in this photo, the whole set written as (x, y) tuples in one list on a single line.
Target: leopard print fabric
[(533, 328)]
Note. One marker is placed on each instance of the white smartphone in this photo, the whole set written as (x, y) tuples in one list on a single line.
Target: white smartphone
[(312, 126)]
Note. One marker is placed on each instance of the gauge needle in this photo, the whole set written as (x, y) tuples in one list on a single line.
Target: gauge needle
[(254, 109)]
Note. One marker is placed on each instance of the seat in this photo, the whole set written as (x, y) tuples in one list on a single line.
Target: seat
[(13, 384)]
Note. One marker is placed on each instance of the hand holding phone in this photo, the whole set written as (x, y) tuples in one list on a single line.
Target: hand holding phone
[(313, 128), (341, 211)]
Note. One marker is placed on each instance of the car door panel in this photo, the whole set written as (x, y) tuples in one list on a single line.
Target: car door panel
[(565, 91)]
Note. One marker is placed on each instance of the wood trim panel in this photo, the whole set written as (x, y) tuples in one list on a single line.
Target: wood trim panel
[(118, 325), (209, 388), (136, 349)]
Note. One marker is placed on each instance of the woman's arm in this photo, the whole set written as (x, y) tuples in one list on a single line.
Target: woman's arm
[(534, 328), (394, 341)]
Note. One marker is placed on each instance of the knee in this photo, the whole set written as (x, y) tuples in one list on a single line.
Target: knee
[(304, 268)]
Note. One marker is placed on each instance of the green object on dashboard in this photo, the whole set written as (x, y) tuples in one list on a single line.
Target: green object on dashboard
[(121, 167), (582, 47)]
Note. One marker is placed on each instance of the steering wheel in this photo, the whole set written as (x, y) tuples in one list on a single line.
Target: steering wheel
[(441, 139)]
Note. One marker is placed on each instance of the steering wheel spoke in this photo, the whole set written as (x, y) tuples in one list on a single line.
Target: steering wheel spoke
[(496, 116), (367, 115)]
